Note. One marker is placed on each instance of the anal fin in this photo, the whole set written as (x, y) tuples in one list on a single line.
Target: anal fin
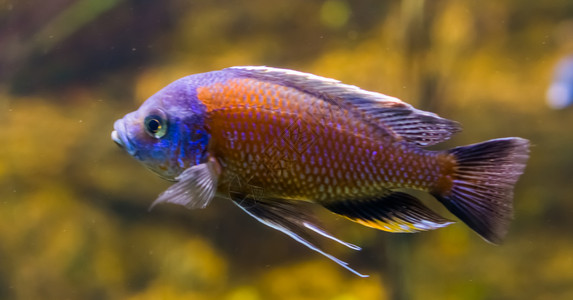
[(391, 211)]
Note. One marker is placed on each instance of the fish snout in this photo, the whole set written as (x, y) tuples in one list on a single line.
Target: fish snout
[(117, 126), (116, 139), (120, 137)]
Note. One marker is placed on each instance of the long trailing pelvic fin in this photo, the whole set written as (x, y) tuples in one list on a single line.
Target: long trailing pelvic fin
[(290, 219)]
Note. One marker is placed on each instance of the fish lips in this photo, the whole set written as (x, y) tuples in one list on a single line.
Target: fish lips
[(119, 136)]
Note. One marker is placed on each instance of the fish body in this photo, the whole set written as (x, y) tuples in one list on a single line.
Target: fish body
[(302, 148), (270, 138)]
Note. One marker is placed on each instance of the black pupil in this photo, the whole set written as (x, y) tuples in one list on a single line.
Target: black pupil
[(153, 125)]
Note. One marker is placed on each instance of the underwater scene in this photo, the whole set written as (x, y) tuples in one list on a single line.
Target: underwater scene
[(249, 150)]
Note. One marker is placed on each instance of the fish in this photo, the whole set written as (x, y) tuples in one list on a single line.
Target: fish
[(559, 94), (274, 140)]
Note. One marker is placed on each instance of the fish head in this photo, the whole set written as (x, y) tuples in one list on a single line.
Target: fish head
[(167, 133)]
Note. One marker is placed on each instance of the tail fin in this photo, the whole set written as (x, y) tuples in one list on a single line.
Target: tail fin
[(482, 191)]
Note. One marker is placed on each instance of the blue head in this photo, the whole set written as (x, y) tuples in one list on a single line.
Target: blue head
[(167, 133)]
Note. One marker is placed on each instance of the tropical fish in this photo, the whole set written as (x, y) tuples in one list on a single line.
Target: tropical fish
[(560, 91), (271, 139)]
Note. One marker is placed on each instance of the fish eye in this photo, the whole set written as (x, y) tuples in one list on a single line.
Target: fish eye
[(155, 125)]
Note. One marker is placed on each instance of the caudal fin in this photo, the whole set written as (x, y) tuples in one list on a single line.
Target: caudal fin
[(483, 180)]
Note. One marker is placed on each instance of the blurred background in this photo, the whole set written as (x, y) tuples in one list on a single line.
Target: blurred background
[(74, 220)]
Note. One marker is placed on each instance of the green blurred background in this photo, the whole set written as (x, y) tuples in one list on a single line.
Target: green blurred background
[(74, 222)]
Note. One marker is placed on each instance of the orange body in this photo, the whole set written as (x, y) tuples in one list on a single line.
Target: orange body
[(292, 145)]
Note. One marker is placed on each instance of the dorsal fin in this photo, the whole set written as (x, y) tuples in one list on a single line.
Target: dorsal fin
[(391, 114)]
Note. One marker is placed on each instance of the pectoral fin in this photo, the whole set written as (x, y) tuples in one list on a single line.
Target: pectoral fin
[(392, 211), (291, 220), (195, 187)]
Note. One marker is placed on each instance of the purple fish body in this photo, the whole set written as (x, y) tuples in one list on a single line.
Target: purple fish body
[(270, 139)]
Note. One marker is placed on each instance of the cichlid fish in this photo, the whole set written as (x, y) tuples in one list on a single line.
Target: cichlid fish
[(270, 139)]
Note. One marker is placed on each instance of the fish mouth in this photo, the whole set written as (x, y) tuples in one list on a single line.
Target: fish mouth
[(116, 139), (119, 137)]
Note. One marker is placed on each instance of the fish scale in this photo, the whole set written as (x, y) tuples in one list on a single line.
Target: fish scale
[(263, 121)]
